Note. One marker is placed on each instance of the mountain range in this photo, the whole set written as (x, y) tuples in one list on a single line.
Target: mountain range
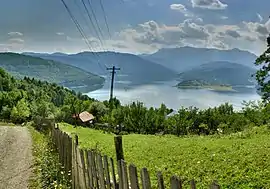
[(221, 73), (134, 70), (185, 58), (52, 71), (232, 67)]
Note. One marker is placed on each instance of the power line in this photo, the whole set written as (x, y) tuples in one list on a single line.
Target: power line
[(105, 18), (95, 18), (80, 30), (92, 23)]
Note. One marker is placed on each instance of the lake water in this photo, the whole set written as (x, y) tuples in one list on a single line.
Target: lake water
[(155, 94)]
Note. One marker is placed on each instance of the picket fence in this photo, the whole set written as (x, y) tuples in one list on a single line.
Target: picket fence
[(88, 169)]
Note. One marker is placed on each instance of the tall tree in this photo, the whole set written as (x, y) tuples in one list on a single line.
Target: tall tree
[(263, 74)]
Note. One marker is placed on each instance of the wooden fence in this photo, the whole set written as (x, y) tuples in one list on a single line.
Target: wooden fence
[(88, 169)]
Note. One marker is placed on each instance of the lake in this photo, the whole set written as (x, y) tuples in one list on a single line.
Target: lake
[(155, 94)]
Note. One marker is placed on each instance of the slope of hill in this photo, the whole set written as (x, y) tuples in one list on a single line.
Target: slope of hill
[(218, 74), (69, 76), (134, 69), (184, 58)]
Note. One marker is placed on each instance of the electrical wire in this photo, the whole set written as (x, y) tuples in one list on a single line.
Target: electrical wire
[(92, 23), (81, 32), (105, 18)]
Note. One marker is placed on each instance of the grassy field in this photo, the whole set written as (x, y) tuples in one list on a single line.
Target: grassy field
[(240, 160)]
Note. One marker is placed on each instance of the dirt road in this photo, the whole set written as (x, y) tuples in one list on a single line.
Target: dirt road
[(15, 157)]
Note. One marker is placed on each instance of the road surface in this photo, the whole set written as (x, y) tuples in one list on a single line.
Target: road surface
[(15, 157)]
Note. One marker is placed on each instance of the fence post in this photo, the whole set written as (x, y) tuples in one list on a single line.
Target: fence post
[(119, 147), (76, 140)]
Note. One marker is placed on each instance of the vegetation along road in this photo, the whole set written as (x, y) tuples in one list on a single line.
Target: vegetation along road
[(15, 157)]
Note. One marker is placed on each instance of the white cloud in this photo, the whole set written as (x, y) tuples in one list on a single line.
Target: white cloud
[(192, 32), (178, 7), (60, 33), (259, 17), (209, 4), (16, 40), (224, 17), (15, 34), (181, 8)]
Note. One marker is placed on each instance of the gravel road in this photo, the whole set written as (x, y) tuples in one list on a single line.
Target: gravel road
[(15, 157)]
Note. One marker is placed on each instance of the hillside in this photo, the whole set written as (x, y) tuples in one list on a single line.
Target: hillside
[(238, 160), (134, 70), (56, 72), (220, 73), (184, 58)]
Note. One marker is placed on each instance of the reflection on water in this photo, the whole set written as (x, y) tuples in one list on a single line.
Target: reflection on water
[(154, 95)]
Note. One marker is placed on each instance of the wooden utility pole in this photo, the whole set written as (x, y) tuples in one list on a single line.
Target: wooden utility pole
[(112, 81)]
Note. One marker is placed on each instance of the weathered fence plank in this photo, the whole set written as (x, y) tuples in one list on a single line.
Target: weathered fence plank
[(214, 185), (124, 175), (146, 184), (94, 170), (160, 180), (175, 183), (90, 168), (100, 172), (107, 171), (133, 176), (84, 171), (114, 183), (192, 184), (120, 176)]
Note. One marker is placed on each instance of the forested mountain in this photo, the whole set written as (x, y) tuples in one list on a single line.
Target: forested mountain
[(184, 58), (222, 72), (134, 69), (47, 70)]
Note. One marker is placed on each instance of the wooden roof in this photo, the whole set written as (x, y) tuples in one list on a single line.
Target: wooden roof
[(86, 116)]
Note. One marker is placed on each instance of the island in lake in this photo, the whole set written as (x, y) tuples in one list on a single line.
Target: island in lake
[(201, 84)]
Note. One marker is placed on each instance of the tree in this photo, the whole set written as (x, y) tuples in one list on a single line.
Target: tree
[(263, 74), (21, 112)]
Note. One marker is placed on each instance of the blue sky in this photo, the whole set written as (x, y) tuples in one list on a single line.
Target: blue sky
[(137, 26)]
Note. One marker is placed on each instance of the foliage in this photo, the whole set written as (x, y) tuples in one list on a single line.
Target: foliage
[(238, 160), (263, 74), (48, 172)]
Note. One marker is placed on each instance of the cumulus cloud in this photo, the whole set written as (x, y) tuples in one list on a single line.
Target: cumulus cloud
[(181, 8), (193, 32), (15, 34), (16, 40), (209, 4), (178, 7), (233, 33)]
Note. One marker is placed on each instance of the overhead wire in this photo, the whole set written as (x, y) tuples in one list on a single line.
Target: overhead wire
[(81, 32), (92, 23)]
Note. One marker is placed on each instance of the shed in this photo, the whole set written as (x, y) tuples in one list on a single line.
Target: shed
[(86, 116)]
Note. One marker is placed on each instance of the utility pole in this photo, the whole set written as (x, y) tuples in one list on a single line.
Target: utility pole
[(112, 81)]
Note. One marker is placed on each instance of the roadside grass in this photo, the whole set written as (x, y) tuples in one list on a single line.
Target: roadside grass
[(47, 172), (6, 124), (240, 160)]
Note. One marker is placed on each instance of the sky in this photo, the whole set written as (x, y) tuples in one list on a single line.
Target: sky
[(134, 26)]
